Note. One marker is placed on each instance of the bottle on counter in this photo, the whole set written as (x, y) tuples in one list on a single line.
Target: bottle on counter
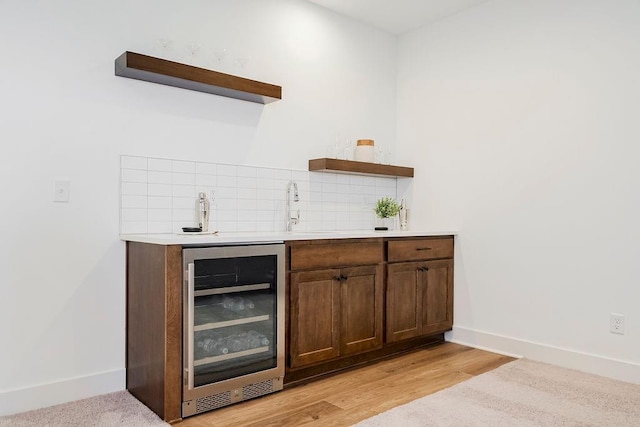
[(203, 211), (404, 215)]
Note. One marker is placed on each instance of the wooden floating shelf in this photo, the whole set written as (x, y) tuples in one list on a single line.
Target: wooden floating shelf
[(364, 168), (156, 70)]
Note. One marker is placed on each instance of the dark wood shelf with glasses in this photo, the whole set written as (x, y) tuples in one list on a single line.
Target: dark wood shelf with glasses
[(362, 168), (156, 70)]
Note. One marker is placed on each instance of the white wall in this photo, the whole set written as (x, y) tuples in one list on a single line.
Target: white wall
[(525, 115), (66, 116)]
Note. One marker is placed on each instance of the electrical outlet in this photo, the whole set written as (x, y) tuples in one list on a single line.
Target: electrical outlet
[(616, 325)]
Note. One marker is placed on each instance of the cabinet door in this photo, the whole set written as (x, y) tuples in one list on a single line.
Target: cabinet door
[(315, 316), (362, 309), (404, 299), (437, 296)]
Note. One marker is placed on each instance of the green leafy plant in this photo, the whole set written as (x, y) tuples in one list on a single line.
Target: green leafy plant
[(386, 207)]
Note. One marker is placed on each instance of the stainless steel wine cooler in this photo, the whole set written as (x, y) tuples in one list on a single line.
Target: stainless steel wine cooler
[(233, 346)]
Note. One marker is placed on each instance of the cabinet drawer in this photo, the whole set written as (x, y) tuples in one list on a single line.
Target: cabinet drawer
[(420, 249), (336, 254)]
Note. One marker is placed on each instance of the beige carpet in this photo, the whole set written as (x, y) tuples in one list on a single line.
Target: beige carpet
[(108, 410), (522, 393)]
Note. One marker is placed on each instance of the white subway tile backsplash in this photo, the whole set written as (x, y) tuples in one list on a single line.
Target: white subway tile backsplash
[(134, 227), (263, 183), (226, 215), (127, 201), (185, 216), (247, 215), (356, 189), (227, 226), (329, 198), (183, 203), (344, 179), (368, 190), (159, 214), (163, 165), (226, 193), (160, 227), (159, 202), (329, 187), (369, 181), (156, 177), (180, 178), (246, 204), (300, 176), (247, 193), (266, 194), (247, 182), (184, 191), (265, 215), (159, 190), (206, 180), (343, 197), (265, 226), (247, 172), (356, 179), (182, 166), (133, 162), (206, 168), (227, 181), (330, 178), (134, 215), (265, 173), (133, 188), (159, 196), (134, 175), (343, 189), (265, 204), (227, 170), (283, 174)]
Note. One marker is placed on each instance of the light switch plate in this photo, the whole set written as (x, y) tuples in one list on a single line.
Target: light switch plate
[(61, 191)]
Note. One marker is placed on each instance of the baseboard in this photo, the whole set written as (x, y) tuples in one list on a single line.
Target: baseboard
[(592, 363), (43, 395)]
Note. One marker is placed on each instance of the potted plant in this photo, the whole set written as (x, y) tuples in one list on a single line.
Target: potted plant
[(386, 209)]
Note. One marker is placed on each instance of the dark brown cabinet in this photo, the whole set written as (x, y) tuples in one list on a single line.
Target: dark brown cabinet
[(419, 298), (339, 307), (315, 314), (335, 312)]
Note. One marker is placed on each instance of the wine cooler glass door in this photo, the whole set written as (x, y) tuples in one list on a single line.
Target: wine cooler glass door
[(232, 319)]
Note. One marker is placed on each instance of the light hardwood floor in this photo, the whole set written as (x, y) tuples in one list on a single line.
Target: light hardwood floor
[(349, 397)]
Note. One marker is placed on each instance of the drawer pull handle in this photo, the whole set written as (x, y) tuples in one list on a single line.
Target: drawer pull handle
[(423, 269), (340, 278), (423, 249)]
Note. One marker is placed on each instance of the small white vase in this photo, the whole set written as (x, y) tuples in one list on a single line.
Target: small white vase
[(389, 223)]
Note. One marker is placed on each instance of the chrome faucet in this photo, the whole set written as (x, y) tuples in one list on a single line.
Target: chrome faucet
[(291, 219)]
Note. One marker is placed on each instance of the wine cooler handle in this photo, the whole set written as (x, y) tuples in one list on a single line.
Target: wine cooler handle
[(190, 309)]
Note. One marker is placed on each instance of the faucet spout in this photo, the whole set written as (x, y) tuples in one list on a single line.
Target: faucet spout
[(291, 219)]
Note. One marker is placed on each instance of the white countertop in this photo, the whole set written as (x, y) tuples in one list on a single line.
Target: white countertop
[(271, 237)]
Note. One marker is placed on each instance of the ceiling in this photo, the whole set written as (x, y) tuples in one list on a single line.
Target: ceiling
[(397, 16)]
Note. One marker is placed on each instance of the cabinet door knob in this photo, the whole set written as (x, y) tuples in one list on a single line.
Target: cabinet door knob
[(338, 278), (423, 269)]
